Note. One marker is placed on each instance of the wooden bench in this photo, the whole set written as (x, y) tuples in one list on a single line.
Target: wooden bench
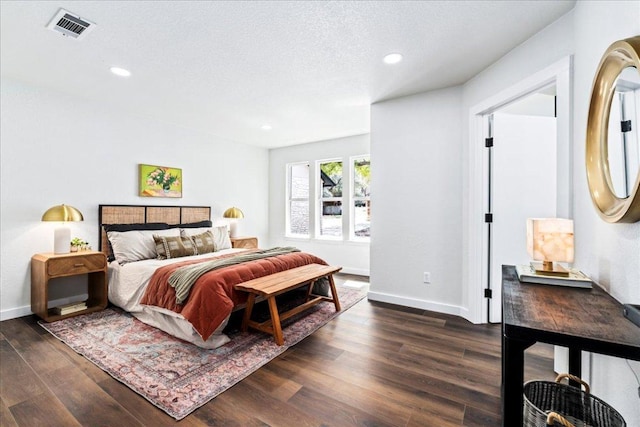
[(275, 284)]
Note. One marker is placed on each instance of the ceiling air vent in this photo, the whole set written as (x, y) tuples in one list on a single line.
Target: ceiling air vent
[(71, 25)]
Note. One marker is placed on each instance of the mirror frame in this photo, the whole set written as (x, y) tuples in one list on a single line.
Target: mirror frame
[(611, 208)]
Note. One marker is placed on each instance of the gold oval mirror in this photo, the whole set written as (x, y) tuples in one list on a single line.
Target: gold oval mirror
[(613, 204)]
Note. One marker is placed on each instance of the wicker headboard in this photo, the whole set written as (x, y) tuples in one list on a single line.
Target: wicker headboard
[(133, 214)]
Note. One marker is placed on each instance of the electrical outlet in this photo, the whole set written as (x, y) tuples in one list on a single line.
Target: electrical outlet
[(427, 277)]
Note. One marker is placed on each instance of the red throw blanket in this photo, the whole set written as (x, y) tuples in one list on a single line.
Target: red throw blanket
[(212, 297)]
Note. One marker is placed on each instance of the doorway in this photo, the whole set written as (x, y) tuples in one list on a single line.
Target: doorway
[(522, 182), (478, 276)]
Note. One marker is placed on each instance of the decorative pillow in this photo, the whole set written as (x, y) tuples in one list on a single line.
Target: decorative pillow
[(220, 236), (203, 242), (174, 246), (136, 245)]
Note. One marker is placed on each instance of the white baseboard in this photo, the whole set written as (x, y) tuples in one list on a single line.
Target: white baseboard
[(355, 271), (13, 313), (418, 303)]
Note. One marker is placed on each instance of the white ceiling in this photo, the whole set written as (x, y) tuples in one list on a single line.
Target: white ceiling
[(309, 69)]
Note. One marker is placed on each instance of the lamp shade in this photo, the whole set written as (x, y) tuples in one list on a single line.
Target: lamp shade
[(62, 233), (233, 213), (550, 239), (63, 213)]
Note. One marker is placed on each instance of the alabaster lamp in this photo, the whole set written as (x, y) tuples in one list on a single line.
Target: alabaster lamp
[(234, 215), (62, 233), (550, 240)]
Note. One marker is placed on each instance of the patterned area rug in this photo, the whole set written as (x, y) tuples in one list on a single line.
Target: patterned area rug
[(176, 376)]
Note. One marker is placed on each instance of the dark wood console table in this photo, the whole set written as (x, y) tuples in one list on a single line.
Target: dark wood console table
[(580, 319)]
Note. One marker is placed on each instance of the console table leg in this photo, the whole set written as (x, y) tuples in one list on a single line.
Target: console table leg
[(512, 380), (575, 365)]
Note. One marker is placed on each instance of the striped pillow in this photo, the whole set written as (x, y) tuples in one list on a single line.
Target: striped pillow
[(174, 247), (203, 242)]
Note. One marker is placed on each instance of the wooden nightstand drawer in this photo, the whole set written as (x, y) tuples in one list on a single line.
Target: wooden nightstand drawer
[(75, 264), (244, 242)]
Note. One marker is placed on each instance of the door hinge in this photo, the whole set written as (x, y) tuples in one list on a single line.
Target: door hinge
[(488, 217), (625, 126), (488, 142), (488, 293)]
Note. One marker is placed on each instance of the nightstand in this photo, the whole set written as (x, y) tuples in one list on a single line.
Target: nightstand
[(244, 242), (45, 267)]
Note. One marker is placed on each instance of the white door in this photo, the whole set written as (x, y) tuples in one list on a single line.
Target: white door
[(524, 185)]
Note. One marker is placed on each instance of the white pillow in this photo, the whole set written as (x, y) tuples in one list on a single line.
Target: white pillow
[(131, 246), (220, 235)]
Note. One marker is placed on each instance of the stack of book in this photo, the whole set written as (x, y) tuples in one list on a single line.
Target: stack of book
[(576, 278), (70, 308)]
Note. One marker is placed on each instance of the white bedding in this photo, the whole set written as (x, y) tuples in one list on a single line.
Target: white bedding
[(127, 284)]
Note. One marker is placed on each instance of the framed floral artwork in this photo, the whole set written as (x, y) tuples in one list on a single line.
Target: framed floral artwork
[(160, 181)]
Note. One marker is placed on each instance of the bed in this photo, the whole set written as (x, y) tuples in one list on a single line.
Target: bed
[(132, 236)]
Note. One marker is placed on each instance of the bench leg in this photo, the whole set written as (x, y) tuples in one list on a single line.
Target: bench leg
[(310, 290), (247, 312), (334, 294), (275, 321)]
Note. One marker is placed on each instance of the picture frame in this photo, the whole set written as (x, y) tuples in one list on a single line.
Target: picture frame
[(160, 181)]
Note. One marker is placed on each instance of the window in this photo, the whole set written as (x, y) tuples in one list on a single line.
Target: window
[(298, 203), (329, 199), (361, 216), (330, 206)]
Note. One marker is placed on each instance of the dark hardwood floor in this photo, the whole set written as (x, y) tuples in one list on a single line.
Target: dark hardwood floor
[(375, 365)]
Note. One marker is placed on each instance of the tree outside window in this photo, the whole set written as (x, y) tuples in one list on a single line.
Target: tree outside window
[(330, 215)]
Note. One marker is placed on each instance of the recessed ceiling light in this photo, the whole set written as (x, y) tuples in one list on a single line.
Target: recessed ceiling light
[(266, 127), (392, 58), (120, 71)]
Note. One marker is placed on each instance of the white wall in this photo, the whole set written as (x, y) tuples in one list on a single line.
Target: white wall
[(610, 253), (416, 220), (352, 256), (60, 149)]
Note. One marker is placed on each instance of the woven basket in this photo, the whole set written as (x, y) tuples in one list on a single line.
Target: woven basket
[(549, 403)]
